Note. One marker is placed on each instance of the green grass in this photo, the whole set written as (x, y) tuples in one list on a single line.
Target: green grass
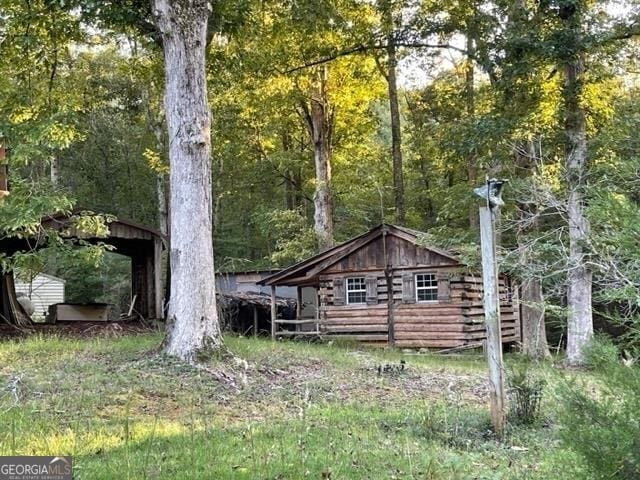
[(299, 411)]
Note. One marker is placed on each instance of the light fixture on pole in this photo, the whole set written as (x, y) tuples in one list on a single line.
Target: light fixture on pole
[(491, 192)]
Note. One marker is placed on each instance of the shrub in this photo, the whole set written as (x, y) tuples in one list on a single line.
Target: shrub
[(602, 422), (525, 392), (600, 352)]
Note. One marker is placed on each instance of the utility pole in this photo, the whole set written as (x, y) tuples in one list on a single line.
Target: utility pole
[(491, 299)]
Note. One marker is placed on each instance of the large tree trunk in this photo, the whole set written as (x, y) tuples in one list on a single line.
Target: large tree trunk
[(319, 121), (532, 312), (532, 308), (470, 107), (579, 276), (323, 215), (193, 320)]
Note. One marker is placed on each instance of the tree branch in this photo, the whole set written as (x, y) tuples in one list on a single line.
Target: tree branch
[(373, 47)]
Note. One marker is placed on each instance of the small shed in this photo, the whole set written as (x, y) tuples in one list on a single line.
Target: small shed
[(248, 281), (384, 287), (143, 245), (249, 312), (43, 290)]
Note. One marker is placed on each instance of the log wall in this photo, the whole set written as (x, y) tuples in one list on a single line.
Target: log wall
[(455, 319)]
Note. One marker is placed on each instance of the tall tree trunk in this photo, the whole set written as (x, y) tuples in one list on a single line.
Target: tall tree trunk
[(323, 215), (470, 106), (532, 313), (163, 207), (532, 309), (396, 135), (386, 8), (319, 120), (579, 276), (54, 172), (193, 319)]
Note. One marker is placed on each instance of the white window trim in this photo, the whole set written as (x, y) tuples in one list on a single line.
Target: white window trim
[(364, 289), (415, 282)]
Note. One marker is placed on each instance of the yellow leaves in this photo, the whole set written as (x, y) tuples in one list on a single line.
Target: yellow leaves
[(59, 135), (155, 162), (23, 114), (598, 100), (87, 224), (547, 111), (551, 175)]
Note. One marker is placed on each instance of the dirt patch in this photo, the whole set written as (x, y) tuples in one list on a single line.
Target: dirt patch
[(317, 381)]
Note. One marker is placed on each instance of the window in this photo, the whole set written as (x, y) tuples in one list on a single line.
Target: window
[(356, 290), (426, 287)]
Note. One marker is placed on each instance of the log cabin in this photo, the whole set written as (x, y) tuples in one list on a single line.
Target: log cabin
[(385, 287)]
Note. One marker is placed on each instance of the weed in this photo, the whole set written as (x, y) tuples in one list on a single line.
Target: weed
[(525, 395)]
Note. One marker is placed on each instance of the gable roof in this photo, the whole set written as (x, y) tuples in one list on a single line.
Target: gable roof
[(308, 269), (62, 220)]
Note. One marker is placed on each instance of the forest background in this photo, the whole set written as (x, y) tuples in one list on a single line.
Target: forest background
[(320, 131)]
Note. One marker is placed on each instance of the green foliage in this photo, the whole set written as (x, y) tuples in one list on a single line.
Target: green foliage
[(107, 281), (600, 352), (288, 231), (460, 244), (601, 422), (525, 394), (29, 202)]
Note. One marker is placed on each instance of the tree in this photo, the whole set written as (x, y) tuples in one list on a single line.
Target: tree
[(317, 114), (389, 21), (192, 309), (580, 275)]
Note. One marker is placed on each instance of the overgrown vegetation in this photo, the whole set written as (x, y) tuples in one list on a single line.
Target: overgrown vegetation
[(525, 394), (297, 411), (600, 418)]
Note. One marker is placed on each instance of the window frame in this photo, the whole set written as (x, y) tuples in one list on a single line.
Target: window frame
[(362, 290), (431, 288)]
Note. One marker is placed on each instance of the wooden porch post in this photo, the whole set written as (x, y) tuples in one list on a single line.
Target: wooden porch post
[(157, 279), (298, 306), (255, 321), (274, 312)]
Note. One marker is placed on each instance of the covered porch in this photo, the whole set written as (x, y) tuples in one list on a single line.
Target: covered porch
[(306, 322)]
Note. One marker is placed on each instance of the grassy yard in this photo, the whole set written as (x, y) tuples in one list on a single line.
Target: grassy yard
[(293, 411)]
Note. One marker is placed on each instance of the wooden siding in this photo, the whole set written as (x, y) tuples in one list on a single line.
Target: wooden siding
[(399, 252), (456, 319)]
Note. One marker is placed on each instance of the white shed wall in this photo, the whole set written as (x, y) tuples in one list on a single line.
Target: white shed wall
[(45, 290)]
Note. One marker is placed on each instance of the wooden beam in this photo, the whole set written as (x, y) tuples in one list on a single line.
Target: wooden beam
[(255, 321), (274, 312), (289, 333), (158, 299), (492, 319), (298, 305), (284, 321)]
